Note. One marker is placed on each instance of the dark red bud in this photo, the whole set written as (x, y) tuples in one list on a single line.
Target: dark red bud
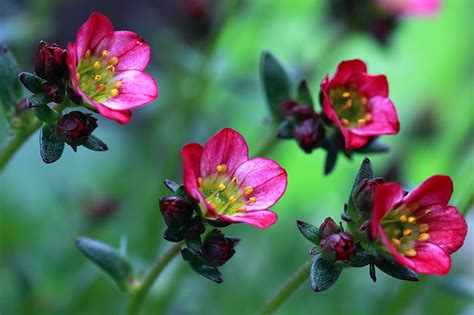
[(288, 106), (177, 211), (75, 127), (364, 194), (303, 112), (309, 134), (54, 91), (341, 245), (50, 62), (73, 96), (328, 227), (217, 249)]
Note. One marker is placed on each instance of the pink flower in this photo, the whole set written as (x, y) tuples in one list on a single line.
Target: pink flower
[(409, 7), (419, 230), (106, 68), (358, 104), (227, 185)]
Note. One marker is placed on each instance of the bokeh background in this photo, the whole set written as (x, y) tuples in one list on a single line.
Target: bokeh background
[(205, 60)]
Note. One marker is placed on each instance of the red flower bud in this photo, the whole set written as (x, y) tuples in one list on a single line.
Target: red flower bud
[(303, 112), (50, 61), (75, 127), (218, 249), (309, 134), (364, 194), (341, 244), (328, 227), (177, 211), (54, 91)]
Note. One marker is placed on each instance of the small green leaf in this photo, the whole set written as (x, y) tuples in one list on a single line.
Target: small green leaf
[(285, 130), (330, 163), (37, 100), (397, 271), (304, 95), (211, 273), (51, 148), (375, 146), (365, 172), (175, 187), (10, 88), (46, 114), (95, 144), (323, 274), (108, 259), (360, 259), (194, 244), (309, 231), (275, 84), (33, 83)]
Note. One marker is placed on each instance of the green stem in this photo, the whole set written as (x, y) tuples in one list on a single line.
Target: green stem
[(287, 289), (139, 295)]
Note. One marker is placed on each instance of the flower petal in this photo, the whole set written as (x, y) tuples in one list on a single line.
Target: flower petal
[(261, 218), (346, 69), (447, 228), (191, 154), (92, 32), (137, 89), (267, 179), (120, 116), (385, 198), (410, 7), (226, 147), (132, 51), (384, 119), (370, 85), (436, 190)]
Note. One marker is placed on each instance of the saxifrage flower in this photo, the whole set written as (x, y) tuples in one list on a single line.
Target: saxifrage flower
[(358, 104), (228, 185), (419, 230), (106, 68), (409, 7)]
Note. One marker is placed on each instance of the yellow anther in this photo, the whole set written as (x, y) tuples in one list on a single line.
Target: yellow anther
[(403, 218), (97, 77), (114, 92), (423, 237), (368, 117), (407, 232), (396, 242), (113, 61), (428, 212), (423, 227), (348, 104), (345, 122), (363, 100), (410, 253), (118, 84), (78, 75), (232, 199), (111, 68), (361, 121), (221, 168), (234, 180), (87, 54), (199, 181), (346, 94), (240, 210), (100, 87), (248, 190), (97, 65), (396, 232), (411, 219), (252, 199), (105, 53), (221, 187)]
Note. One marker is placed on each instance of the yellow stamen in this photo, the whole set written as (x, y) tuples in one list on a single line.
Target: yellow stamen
[(87, 54), (346, 94), (361, 121), (410, 253), (248, 190), (97, 77), (348, 104), (221, 187), (403, 218), (396, 232), (114, 92), (118, 84), (345, 122), (240, 210), (411, 219), (396, 242), (111, 68), (423, 237), (105, 53), (253, 199), (199, 181), (113, 61), (97, 65), (78, 75), (232, 199), (423, 227), (221, 168), (234, 180), (428, 212), (407, 232), (100, 87), (368, 117), (363, 100)]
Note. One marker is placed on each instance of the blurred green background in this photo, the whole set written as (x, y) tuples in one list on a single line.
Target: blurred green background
[(206, 65)]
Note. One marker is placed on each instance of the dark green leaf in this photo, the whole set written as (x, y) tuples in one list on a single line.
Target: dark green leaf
[(10, 88), (365, 172), (285, 130), (360, 259), (187, 255), (37, 100), (107, 258), (323, 274), (51, 148), (397, 271), (211, 273), (194, 244), (175, 187), (309, 231), (46, 114), (275, 84), (375, 146), (304, 95), (330, 163), (33, 83), (95, 144)]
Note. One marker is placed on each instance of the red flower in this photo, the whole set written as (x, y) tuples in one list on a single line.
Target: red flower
[(106, 68), (227, 185), (419, 230), (409, 7), (358, 104)]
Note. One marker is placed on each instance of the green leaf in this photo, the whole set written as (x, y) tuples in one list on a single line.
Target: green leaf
[(285, 130), (309, 231), (330, 163), (275, 84), (37, 100), (375, 146), (365, 172), (304, 95), (108, 259), (360, 259), (10, 88), (46, 114), (33, 83), (51, 148), (194, 245), (395, 270), (323, 274), (95, 144), (211, 273), (175, 187)]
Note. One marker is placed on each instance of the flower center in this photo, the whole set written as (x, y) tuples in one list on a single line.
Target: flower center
[(225, 194), (404, 229), (96, 76), (350, 107)]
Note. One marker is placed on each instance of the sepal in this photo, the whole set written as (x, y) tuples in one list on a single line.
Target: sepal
[(95, 144), (395, 270), (51, 148), (309, 231), (323, 274)]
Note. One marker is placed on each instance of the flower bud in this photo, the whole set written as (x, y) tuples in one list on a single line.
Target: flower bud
[(303, 112), (341, 245), (54, 91), (73, 96), (364, 194), (75, 127), (177, 211), (309, 134), (50, 61), (328, 227), (217, 249)]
